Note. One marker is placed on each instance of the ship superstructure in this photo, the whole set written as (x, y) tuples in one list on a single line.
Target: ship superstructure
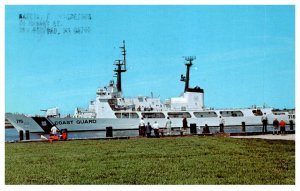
[(110, 103)]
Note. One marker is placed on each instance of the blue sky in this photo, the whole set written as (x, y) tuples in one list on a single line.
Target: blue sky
[(245, 54)]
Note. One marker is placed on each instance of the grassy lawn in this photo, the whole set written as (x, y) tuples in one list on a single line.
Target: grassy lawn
[(182, 160)]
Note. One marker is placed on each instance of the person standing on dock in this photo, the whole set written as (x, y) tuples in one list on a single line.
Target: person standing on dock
[(156, 129), (264, 120), (184, 123), (275, 126), (282, 127), (168, 125), (53, 131), (142, 127), (148, 130), (222, 122)]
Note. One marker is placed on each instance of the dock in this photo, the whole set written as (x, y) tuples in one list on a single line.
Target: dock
[(71, 139), (289, 135)]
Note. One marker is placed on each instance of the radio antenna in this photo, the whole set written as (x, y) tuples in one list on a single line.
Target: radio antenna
[(186, 78), (121, 67)]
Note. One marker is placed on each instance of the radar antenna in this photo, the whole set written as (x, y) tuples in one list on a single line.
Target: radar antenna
[(186, 78)]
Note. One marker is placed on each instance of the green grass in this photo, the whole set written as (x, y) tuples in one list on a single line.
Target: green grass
[(182, 160)]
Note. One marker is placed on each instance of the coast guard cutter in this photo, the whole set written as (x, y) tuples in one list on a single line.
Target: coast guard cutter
[(110, 108)]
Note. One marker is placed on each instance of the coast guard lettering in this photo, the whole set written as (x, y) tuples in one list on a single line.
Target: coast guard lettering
[(70, 122)]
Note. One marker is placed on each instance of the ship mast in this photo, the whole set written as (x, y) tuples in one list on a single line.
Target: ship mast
[(121, 67), (186, 78)]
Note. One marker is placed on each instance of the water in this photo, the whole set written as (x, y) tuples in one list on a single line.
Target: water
[(11, 134)]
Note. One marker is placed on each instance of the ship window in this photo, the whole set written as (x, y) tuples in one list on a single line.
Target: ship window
[(125, 115), (118, 115), (179, 114), (134, 115), (205, 114), (232, 113), (278, 113), (257, 112), (153, 115)]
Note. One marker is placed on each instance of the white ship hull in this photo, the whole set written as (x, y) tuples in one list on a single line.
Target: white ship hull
[(43, 124)]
